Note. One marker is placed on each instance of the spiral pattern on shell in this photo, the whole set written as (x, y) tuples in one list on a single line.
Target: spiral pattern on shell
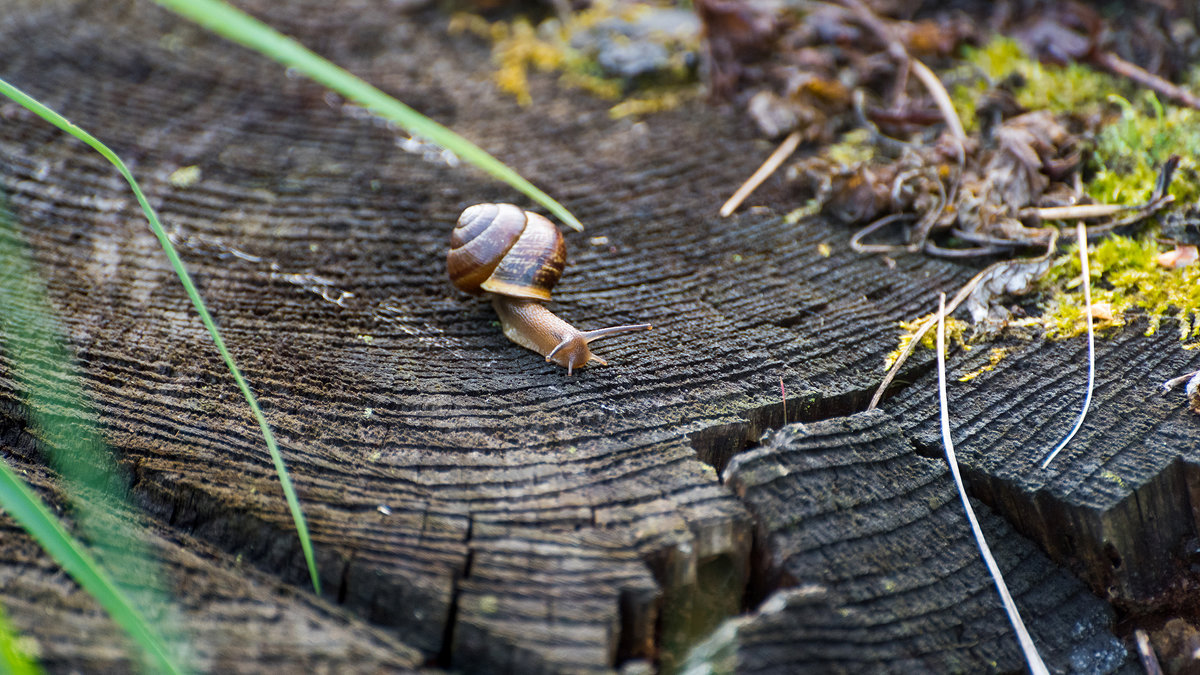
[(500, 248)]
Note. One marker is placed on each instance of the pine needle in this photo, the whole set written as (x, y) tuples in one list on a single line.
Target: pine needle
[(1081, 233), (785, 150), (1036, 666), (958, 299), (924, 328), (940, 97), (1146, 653)]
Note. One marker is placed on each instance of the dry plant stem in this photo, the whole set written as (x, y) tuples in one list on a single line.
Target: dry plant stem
[(1036, 666), (785, 150), (889, 145), (1146, 653), (1144, 78), (1141, 213), (1176, 381), (924, 328), (857, 246), (1081, 233), (1075, 212), (954, 303), (908, 64), (942, 98), (1158, 199), (872, 21)]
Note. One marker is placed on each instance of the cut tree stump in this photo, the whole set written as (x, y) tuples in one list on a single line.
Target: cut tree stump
[(472, 507), (850, 513), (1119, 505)]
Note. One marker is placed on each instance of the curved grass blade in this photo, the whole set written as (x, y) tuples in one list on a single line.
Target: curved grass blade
[(13, 659), (91, 482), (289, 492), (234, 24), (31, 514)]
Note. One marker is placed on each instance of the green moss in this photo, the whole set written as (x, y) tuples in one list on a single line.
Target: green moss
[(1126, 279), (1074, 88), (995, 356), (1130, 151), (956, 331), (1136, 135), (853, 149)]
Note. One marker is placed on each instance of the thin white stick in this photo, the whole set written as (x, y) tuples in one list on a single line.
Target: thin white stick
[(1036, 666), (940, 97), (1078, 211), (785, 150), (1081, 233), (1146, 652)]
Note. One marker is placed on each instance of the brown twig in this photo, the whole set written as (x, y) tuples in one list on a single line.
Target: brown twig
[(908, 64), (1145, 78), (785, 150)]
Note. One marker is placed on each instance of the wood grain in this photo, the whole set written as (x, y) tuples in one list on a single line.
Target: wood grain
[(467, 499)]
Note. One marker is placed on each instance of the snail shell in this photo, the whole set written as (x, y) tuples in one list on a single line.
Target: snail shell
[(500, 248), (517, 257)]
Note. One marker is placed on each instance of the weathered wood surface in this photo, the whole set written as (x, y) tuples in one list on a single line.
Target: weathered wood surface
[(1119, 505), (238, 619), (532, 522), (881, 572)]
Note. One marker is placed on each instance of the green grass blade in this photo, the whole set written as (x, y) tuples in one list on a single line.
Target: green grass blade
[(289, 492), (13, 659), (90, 480), (242, 28), (31, 514)]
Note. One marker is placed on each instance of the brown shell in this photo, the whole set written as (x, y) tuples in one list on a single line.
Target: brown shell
[(499, 248)]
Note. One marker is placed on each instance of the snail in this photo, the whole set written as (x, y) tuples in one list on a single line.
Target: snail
[(517, 256)]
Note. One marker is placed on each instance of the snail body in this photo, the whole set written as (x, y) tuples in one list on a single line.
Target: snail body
[(517, 256)]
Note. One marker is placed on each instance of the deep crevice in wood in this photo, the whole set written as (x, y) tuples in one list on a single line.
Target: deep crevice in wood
[(1140, 570), (812, 609), (717, 444), (556, 494), (639, 623), (444, 656)]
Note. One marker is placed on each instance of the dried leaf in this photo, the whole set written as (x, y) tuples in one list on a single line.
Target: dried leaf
[(1060, 32), (1180, 256), (737, 33), (1015, 278), (1024, 144)]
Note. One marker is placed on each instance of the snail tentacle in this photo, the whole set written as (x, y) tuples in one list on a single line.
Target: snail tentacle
[(517, 256)]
